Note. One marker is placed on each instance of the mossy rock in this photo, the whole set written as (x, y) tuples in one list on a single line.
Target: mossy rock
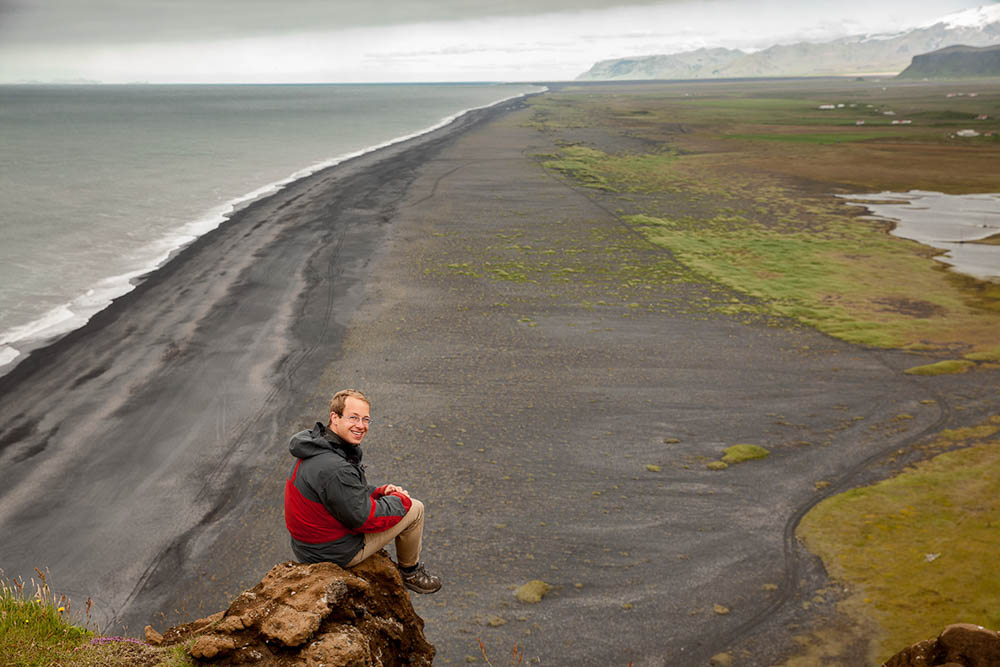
[(946, 367), (741, 453), (533, 591), (716, 465)]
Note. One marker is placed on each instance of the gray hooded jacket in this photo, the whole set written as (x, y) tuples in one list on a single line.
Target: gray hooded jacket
[(329, 504)]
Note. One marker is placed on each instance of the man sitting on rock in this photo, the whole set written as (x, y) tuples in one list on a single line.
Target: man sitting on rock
[(331, 511)]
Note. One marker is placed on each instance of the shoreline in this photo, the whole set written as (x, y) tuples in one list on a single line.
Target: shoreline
[(148, 417), (46, 329)]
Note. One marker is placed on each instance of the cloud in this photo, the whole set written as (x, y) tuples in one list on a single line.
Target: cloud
[(446, 40), (129, 21)]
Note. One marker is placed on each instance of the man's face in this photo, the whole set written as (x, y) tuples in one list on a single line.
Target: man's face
[(353, 425)]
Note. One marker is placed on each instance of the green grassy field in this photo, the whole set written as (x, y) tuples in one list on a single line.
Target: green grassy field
[(755, 211), (932, 532)]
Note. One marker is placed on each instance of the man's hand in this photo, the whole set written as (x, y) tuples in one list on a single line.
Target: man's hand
[(392, 488)]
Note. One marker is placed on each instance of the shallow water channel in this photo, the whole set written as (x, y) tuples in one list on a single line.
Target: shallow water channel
[(957, 224)]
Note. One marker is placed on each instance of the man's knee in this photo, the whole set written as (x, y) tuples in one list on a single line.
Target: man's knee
[(416, 509)]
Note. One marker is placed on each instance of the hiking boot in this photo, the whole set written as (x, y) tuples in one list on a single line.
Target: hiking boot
[(418, 580)]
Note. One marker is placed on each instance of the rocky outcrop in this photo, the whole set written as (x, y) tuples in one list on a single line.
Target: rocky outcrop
[(959, 645), (955, 62), (318, 614)]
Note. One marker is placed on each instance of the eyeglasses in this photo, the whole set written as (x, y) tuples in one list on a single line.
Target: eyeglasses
[(354, 419)]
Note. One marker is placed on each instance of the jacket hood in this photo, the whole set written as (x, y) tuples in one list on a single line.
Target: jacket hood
[(320, 440)]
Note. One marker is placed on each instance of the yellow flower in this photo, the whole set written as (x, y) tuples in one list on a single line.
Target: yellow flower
[(62, 609)]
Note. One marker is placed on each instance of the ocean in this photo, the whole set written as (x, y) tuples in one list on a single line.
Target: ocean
[(100, 184)]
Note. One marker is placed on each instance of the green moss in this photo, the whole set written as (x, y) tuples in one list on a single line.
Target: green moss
[(515, 272), (578, 163), (969, 433), (947, 367), (991, 355), (741, 453), (533, 591), (932, 533), (716, 465)]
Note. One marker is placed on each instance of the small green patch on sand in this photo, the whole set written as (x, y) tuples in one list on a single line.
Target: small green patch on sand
[(946, 367), (577, 163), (716, 465), (991, 355), (741, 453), (971, 433), (615, 173), (917, 551), (533, 591)]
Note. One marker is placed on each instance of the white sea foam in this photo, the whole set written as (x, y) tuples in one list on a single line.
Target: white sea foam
[(71, 315), (7, 355), (54, 320), (66, 317)]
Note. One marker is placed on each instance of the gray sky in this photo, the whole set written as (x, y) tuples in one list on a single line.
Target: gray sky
[(404, 40), (124, 20)]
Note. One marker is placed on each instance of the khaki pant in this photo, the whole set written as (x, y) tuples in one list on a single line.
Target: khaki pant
[(408, 534)]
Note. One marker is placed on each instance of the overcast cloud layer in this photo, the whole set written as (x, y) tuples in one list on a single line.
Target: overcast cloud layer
[(403, 40)]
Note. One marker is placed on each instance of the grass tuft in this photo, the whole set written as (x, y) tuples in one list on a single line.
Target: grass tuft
[(36, 631), (533, 591), (34, 625), (741, 453), (991, 355), (947, 367)]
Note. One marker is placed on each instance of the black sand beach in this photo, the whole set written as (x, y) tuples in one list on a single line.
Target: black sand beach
[(127, 444), (143, 456)]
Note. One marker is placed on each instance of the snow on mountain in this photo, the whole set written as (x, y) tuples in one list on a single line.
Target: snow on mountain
[(856, 54), (977, 17)]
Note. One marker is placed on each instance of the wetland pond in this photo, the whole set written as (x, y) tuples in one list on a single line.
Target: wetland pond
[(958, 224)]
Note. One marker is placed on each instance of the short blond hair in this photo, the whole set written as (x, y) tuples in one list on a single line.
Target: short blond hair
[(340, 398)]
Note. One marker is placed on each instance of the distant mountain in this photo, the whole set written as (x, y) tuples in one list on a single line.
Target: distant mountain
[(955, 61), (857, 54)]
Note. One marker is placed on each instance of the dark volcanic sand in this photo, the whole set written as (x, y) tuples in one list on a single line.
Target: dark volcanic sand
[(481, 303), (128, 446)]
